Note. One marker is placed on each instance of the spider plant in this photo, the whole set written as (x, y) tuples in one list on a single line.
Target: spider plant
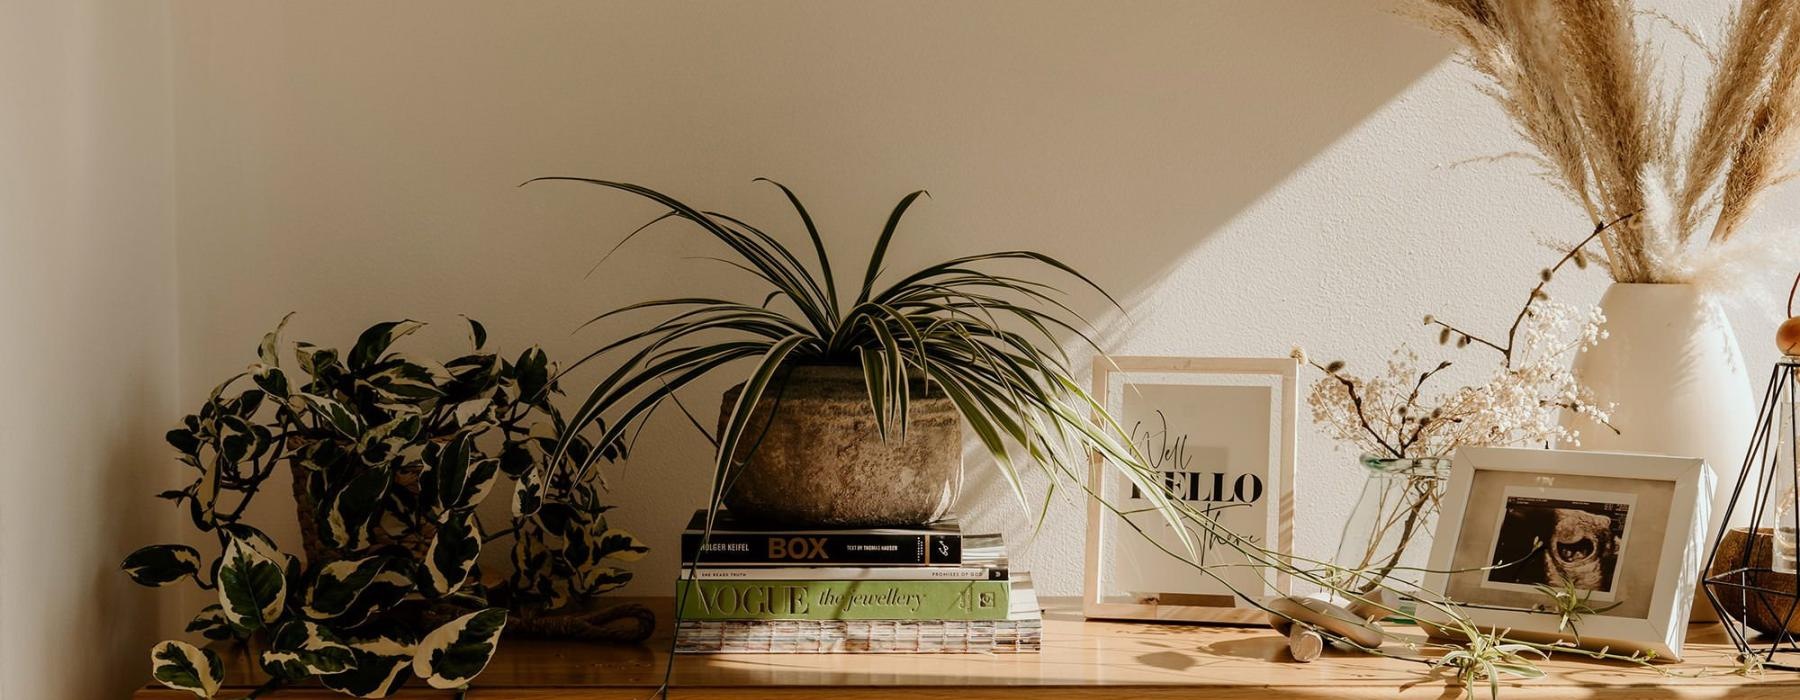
[(985, 339)]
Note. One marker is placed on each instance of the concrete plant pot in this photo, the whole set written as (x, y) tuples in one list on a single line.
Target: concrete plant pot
[(811, 454)]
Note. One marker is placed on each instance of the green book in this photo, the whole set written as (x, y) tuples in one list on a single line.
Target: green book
[(737, 599)]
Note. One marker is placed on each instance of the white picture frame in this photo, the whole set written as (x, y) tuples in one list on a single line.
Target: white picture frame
[(1269, 387), (1648, 511)]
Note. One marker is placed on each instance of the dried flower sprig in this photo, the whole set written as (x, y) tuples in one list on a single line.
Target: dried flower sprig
[(1391, 414)]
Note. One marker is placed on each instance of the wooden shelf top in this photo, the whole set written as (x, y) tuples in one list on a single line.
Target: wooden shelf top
[(1080, 659)]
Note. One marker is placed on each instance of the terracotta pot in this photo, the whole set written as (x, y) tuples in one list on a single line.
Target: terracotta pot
[(1762, 611), (811, 454)]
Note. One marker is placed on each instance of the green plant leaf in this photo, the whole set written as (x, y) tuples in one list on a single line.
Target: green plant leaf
[(451, 556), (334, 414), (528, 493), (407, 383), (252, 584), (881, 245), (348, 591), (443, 482), (453, 654), (313, 359), (273, 381), (345, 514), (183, 666), (380, 665), (751, 393), (620, 545), (375, 341), (818, 242), (211, 623), (382, 442), (162, 564), (478, 334), (265, 351), (482, 477), (302, 648)]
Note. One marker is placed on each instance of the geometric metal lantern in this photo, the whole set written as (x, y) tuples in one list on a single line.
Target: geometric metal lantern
[(1751, 577)]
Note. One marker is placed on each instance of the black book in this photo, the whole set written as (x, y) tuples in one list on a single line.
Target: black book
[(735, 543)]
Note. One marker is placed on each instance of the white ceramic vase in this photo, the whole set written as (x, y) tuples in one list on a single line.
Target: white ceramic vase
[(1672, 368)]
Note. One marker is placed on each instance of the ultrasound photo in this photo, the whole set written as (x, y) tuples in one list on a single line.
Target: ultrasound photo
[(1558, 543)]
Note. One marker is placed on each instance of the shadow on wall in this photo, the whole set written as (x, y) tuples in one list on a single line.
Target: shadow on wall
[(1262, 88), (1281, 82)]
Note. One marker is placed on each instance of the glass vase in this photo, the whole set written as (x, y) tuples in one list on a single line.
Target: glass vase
[(1388, 537)]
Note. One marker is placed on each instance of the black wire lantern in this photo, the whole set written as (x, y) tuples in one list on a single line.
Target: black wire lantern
[(1751, 579), (1751, 575)]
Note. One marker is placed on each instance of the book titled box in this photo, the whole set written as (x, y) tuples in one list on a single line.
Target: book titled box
[(733, 543)]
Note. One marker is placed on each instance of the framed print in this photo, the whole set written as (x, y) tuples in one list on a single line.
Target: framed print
[(1220, 431), (1625, 531)]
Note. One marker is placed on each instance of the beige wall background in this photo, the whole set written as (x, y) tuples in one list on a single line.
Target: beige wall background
[(87, 337), (1244, 175)]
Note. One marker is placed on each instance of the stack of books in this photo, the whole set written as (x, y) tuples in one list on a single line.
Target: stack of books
[(931, 589)]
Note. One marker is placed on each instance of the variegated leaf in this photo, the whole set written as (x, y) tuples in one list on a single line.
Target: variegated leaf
[(162, 564), (441, 486), (265, 351), (374, 342), (332, 413), (345, 514), (349, 591), (600, 579), (528, 493), (211, 623), (381, 665), (455, 653), (477, 332), (533, 372), (272, 381), (382, 441), (620, 545), (408, 381), (467, 411), (183, 666), (480, 482), (314, 359), (252, 584), (302, 648), (451, 556)]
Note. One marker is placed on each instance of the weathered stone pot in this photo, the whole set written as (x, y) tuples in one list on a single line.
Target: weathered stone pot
[(811, 454)]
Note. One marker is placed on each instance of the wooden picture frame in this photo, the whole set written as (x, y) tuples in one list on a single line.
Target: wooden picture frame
[(1511, 514), (1211, 392)]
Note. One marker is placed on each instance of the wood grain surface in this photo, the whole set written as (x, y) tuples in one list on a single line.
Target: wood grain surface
[(1080, 659)]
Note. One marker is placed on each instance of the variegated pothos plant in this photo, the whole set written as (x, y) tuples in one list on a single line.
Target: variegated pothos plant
[(391, 455)]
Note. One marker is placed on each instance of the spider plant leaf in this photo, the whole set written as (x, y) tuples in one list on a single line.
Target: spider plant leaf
[(1521, 670), (881, 245), (874, 368), (627, 239), (669, 375), (894, 410), (812, 231), (983, 427), (810, 298), (745, 246), (748, 397)]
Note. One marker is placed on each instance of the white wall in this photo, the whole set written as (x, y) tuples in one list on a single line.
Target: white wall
[(87, 337), (1248, 175)]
